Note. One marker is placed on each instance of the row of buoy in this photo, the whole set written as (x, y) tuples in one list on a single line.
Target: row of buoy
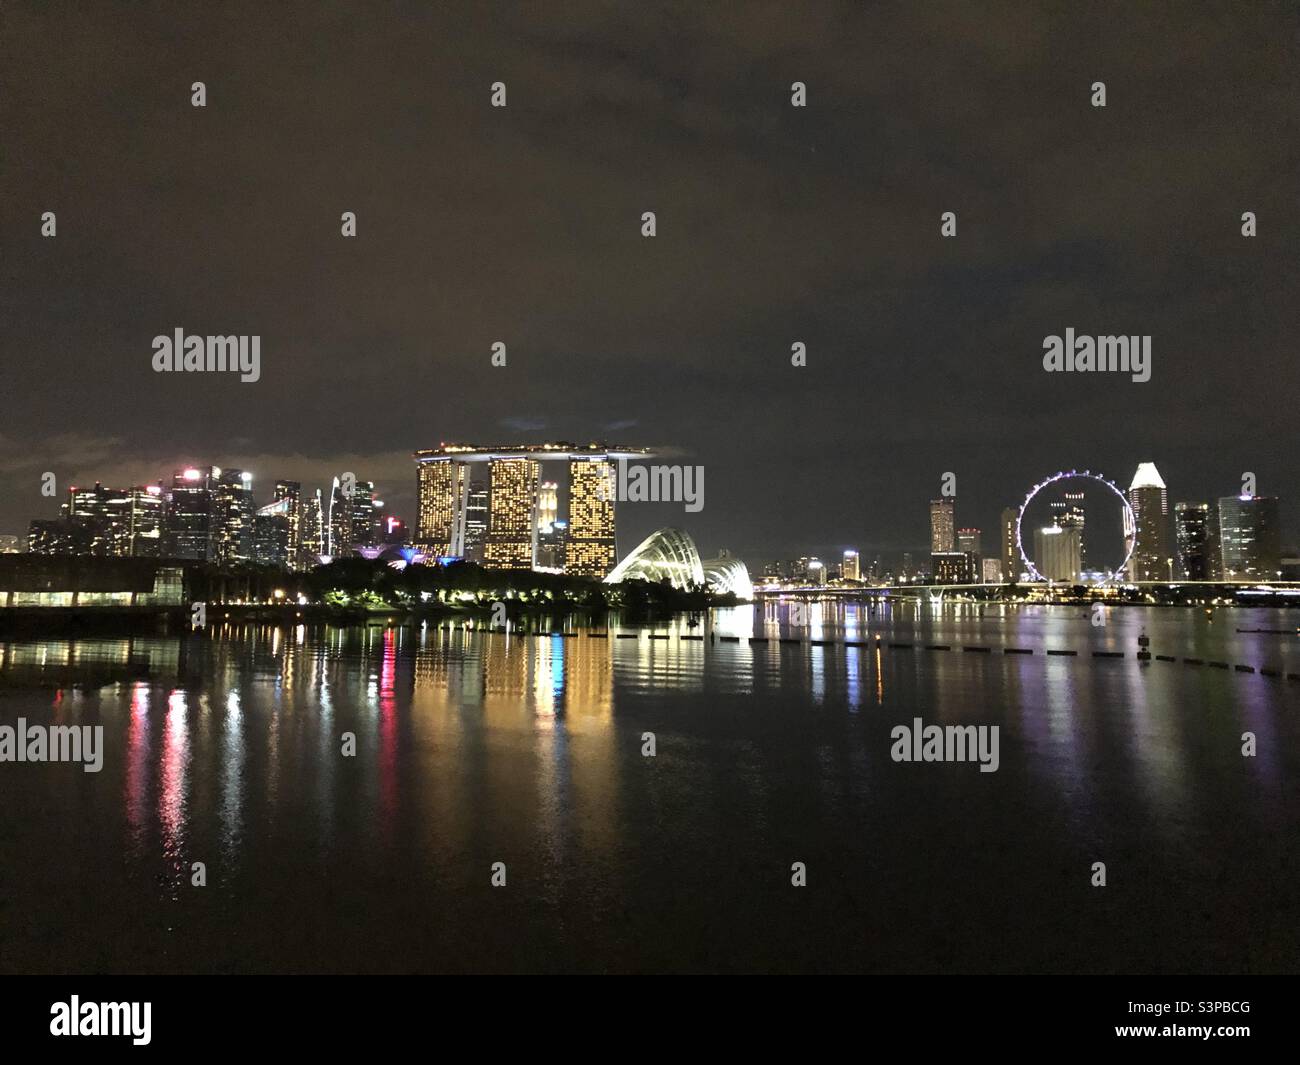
[(1142, 655)]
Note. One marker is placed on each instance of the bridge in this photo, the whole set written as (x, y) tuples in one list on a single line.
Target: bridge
[(1264, 590)]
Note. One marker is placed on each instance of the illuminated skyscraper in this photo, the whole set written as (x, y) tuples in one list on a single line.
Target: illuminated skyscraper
[(476, 520), (512, 525), (953, 567), (365, 517), (116, 521), (551, 546), (1152, 556), (292, 492), (235, 514), (193, 523), (1057, 552), (548, 505), (444, 508), (1192, 538), (850, 568), (1069, 514), (1007, 541), (272, 532), (943, 525), (590, 550), (1250, 537), (313, 531)]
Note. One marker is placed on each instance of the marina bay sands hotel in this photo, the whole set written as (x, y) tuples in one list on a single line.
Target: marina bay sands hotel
[(490, 504)]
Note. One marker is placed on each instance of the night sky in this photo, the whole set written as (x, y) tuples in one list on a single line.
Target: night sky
[(776, 224)]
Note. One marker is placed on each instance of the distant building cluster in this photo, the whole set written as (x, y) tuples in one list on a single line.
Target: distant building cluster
[(1233, 538), (208, 514)]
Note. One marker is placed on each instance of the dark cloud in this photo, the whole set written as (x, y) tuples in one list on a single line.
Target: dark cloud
[(776, 224)]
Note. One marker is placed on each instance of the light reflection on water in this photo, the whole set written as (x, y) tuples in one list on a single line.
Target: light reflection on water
[(474, 747)]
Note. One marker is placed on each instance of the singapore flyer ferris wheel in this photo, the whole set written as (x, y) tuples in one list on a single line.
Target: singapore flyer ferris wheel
[(1128, 520)]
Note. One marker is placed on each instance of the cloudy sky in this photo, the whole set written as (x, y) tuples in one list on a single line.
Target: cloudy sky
[(776, 224)]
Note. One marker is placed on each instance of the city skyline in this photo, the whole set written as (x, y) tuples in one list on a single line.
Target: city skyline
[(526, 534)]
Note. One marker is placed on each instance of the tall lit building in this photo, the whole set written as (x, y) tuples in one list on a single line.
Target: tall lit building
[(235, 514), (1192, 539), (444, 508), (1250, 537), (1147, 495), (551, 546), (193, 522), (512, 526), (291, 491), (117, 521), (992, 571), (548, 505), (1058, 552), (952, 567), (312, 539), (273, 533), (1007, 541), (476, 520), (1068, 513), (365, 520), (590, 550), (851, 568), (943, 525)]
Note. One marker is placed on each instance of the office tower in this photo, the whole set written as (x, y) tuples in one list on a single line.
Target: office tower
[(476, 520), (1250, 537), (117, 521), (943, 524), (235, 514), (393, 530), (952, 567), (312, 544), (548, 505), (292, 492), (1007, 541), (443, 511), (350, 521), (1057, 552), (590, 551), (968, 540), (816, 572), (57, 536), (273, 533), (193, 521), (148, 521), (1068, 514), (992, 571), (908, 568), (552, 546), (1213, 545), (1152, 558), (365, 518), (105, 516), (512, 527), (1192, 540), (851, 568)]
